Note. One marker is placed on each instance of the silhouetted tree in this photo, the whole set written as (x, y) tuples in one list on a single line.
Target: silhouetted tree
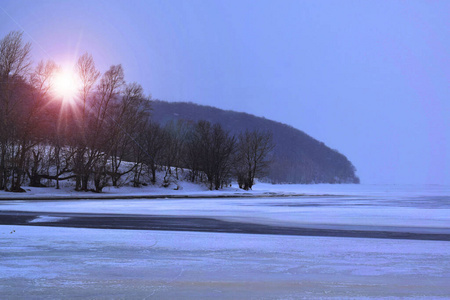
[(214, 148), (88, 75), (253, 148), (14, 66), (175, 139), (130, 116), (154, 142), (100, 139)]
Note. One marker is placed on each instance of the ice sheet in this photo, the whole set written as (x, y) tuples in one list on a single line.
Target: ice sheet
[(43, 262), (359, 209)]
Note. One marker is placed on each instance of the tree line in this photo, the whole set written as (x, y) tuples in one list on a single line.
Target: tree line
[(297, 157), (106, 134)]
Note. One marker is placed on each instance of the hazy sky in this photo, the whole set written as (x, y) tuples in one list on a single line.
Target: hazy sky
[(368, 78)]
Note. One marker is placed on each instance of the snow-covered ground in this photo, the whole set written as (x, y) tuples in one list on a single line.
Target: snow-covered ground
[(49, 262), (52, 262), (191, 189)]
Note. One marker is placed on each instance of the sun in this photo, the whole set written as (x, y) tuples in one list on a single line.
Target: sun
[(66, 85)]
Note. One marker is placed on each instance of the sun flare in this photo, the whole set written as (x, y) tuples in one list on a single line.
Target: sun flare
[(65, 85)]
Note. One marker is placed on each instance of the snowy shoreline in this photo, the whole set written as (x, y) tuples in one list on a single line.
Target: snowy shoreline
[(260, 190), (184, 190), (87, 196)]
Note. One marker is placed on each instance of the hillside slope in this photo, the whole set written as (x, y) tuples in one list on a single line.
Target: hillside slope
[(297, 157)]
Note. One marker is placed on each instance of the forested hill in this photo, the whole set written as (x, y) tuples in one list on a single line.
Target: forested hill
[(297, 157)]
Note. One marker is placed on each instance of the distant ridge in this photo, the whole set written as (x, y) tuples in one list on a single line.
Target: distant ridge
[(297, 157)]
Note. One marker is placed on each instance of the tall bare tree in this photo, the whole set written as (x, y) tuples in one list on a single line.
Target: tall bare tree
[(100, 138), (88, 75), (14, 66), (32, 123), (129, 117)]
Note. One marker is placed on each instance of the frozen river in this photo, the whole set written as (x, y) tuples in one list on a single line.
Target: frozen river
[(43, 256)]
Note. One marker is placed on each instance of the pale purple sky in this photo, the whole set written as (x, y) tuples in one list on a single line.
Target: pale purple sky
[(368, 78)]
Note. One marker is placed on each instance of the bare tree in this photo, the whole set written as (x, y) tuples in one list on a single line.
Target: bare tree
[(154, 142), (175, 136), (33, 127), (14, 65), (31, 122), (129, 119), (213, 148), (14, 56), (223, 146), (100, 139), (88, 75), (191, 158), (253, 148)]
